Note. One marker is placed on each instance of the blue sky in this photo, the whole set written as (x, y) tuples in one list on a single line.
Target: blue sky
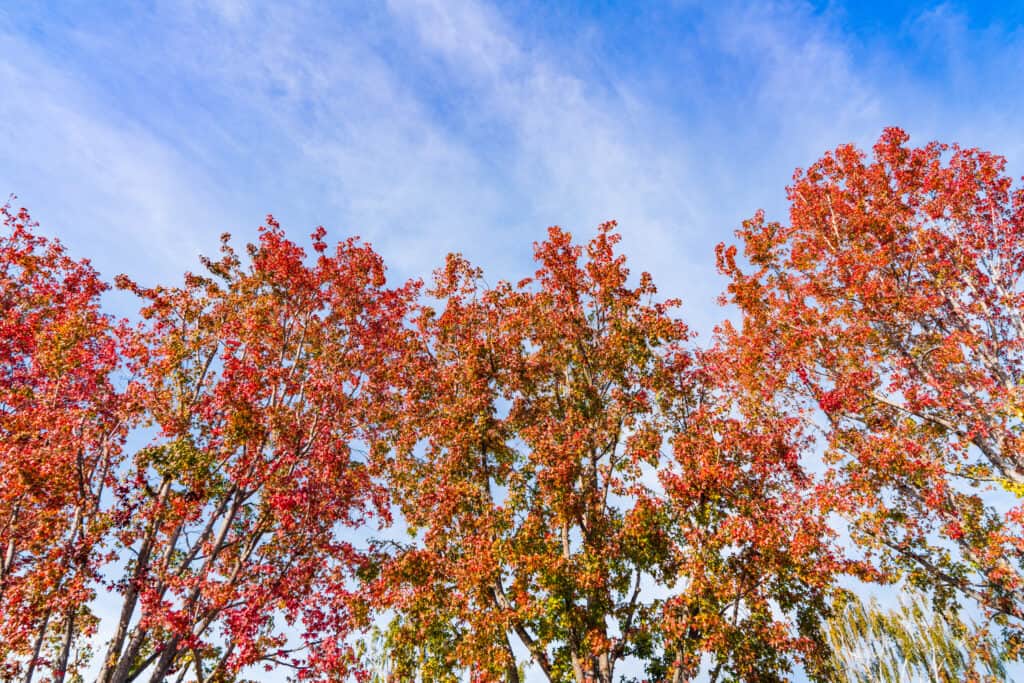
[(138, 132)]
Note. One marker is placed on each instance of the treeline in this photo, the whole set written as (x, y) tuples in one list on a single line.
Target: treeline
[(286, 463)]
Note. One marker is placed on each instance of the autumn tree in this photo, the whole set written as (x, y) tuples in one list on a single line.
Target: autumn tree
[(260, 381), (61, 432), (579, 491), (889, 312)]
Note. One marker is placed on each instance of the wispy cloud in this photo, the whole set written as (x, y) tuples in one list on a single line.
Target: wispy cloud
[(431, 126), (107, 186), (564, 149)]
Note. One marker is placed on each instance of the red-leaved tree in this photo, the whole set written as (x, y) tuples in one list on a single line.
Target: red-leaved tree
[(262, 381), (892, 305), (61, 432)]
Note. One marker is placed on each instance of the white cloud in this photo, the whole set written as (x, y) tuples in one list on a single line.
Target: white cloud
[(108, 187), (469, 34), (575, 152)]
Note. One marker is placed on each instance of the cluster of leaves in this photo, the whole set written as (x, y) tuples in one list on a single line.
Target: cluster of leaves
[(541, 476), (61, 432)]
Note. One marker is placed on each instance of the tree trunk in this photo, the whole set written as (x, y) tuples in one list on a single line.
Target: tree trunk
[(123, 671), (166, 661), (511, 670), (115, 659), (65, 650), (31, 670), (604, 667)]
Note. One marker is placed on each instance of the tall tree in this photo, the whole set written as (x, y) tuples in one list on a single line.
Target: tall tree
[(578, 493), (261, 381), (891, 306), (61, 432)]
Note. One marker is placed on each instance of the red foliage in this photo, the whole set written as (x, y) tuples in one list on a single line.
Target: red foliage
[(61, 432), (893, 301), (263, 383), (568, 477)]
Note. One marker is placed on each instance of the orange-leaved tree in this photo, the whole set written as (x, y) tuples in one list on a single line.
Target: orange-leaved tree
[(892, 306), (580, 491)]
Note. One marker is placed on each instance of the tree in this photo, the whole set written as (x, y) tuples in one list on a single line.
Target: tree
[(892, 306), (578, 491), (261, 382), (61, 433), (912, 642)]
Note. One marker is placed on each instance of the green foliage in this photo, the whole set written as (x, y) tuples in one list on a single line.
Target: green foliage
[(915, 641)]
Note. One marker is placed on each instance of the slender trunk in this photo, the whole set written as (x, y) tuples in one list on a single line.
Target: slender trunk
[(577, 664), (167, 657), (131, 598), (6, 564), (511, 670), (577, 668), (171, 648), (115, 658), (8, 560), (219, 671), (123, 672), (605, 666), (65, 650), (536, 650), (31, 669), (72, 560), (197, 660)]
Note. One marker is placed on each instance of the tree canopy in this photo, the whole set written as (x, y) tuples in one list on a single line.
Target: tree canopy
[(286, 462)]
